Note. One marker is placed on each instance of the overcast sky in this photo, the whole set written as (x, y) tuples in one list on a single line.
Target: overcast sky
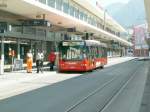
[(108, 2)]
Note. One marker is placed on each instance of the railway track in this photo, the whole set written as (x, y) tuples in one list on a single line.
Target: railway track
[(118, 90)]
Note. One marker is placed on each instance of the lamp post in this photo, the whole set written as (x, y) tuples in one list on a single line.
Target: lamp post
[(104, 18), (3, 4), (2, 55)]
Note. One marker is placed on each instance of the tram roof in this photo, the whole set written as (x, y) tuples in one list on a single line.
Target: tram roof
[(88, 42), (94, 42)]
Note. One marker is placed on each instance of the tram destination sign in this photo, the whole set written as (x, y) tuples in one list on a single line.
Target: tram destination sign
[(36, 22), (73, 43)]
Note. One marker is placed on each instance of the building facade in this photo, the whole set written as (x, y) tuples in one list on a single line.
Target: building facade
[(140, 48), (41, 24), (147, 9)]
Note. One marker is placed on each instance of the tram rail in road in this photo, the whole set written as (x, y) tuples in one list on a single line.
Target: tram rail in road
[(92, 92), (98, 90)]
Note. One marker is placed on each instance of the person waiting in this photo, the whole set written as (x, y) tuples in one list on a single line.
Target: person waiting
[(39, 61), (52, 58), (29, 61)]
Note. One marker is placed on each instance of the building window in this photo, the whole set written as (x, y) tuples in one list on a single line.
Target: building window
[(81, 15), (85, 17), (72, 10), (59, 4), (51, 3), (89, 20), (42, 1), (65, 6), (76, 13)]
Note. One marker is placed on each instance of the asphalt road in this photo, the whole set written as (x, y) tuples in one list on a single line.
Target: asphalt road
[(90, 92)]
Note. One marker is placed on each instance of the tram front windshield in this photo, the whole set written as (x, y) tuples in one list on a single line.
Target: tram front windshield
[(72, 50)]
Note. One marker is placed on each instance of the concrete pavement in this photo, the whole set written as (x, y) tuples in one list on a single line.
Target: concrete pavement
[(19, 82)]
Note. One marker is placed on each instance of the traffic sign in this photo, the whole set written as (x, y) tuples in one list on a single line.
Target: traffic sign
[(36, 22)]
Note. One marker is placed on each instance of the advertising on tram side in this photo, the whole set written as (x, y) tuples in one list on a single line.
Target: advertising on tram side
[(82, 55)]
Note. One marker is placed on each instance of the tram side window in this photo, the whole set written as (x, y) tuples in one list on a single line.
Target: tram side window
[(89, 52), (94, 53), (71, 53), (105, 52), (97, 52), (100, 51), (85, 52)]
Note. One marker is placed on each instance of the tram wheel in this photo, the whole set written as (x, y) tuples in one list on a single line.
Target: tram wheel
[(102, 67)]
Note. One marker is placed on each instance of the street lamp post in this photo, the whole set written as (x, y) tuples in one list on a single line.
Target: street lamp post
[(3, 4), (2, 55), (104, 18)]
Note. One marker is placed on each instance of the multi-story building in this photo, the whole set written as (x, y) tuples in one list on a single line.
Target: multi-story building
[(40, 24), (147, 9), (140, 47)]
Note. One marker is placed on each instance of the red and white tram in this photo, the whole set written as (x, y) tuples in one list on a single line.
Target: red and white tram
[(81, 55)]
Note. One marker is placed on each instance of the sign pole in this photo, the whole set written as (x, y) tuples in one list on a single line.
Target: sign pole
[(2, 56)]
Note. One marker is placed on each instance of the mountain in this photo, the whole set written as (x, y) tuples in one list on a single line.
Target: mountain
[(132, 13)]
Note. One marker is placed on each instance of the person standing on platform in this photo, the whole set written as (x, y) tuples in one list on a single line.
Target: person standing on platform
[(39, 61), (42, 60), (51, 59), (29, 61)]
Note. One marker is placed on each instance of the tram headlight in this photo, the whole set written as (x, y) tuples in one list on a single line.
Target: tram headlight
[(62, 64), (83, 64)]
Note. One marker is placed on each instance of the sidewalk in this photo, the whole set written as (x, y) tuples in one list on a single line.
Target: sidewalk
[(19, 82), (117, 60)]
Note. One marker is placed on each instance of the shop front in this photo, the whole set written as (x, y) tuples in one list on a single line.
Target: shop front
[(15, 43)]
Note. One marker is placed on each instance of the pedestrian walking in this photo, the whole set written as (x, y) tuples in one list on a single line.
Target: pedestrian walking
[(29, 61), (51, 59), (39, 61)]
